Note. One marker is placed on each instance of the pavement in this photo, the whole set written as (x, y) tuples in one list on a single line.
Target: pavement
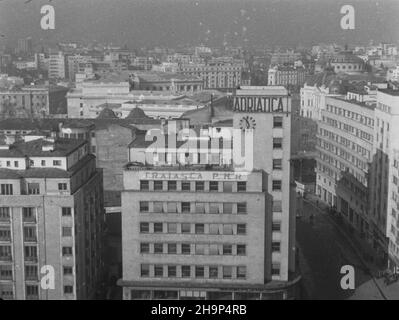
[(346, 250)]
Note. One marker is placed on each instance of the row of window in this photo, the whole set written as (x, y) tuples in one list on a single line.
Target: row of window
[(160, 185), (8, 163), (349, 129), (197, 271), (30, 252), (33, 188), (193, 207), (351, 114), (196, 228), (29, 214), (31, 272)]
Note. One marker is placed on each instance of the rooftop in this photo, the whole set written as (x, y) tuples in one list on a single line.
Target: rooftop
[(62, 147), (138, 166), (390, 92)]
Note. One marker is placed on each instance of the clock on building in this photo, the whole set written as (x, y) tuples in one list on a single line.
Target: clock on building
[(247, 123)]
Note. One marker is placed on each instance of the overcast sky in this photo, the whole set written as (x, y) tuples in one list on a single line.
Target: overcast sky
[(170, 22)]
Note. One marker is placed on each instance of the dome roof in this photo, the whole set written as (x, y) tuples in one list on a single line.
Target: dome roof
[(136, 113), (107, 113)]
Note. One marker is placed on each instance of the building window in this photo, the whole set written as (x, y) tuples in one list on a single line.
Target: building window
[(144, 247), (4, 214), (144, 227), (199, 207), (172, 185), (276, 185), (277, 122), (277, 206), (227, 186), (5, 253), (227, 249), (66, 211), (185, 207), (241, 249), (32, 292), (185, 248), (213, 272), (241, 186), (6, 272), (6, 190), (62, 186), (214, 208), (158, 185), (66, 251), (68, 289), (28, 214), (145, 270), (56, 163), (158, 207), (275, 269), (199, 186), (172, 248), (185, 228), (227, 208), (66, 231), (158, 247), (33, 188), (276, 246), (172, 207), (144, 207), (172, 227), (213, 186), (67, 271), (199, 228), (241, 229), (172, 271), (242, 208), (144, 185), (213, 229), (30, 234), (277, 143), (199, 271), (185, 186), (276, 226), (241, 272), (158, 227), (277, 164), (227, 272), (227, 229), (158, 270), (186, 271)]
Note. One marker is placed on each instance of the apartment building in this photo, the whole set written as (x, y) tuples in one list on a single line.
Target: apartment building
[(184, 211), (51, 220)]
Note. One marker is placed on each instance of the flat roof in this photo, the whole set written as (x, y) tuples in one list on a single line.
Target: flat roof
[(259, 90)]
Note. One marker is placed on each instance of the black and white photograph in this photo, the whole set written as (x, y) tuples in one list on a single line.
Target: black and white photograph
[(193, 155)]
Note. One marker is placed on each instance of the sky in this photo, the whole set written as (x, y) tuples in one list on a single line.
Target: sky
[(148, 23)]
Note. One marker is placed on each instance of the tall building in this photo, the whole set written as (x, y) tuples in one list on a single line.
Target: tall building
[(288, 76), (57, 66), (25, 45), (51, 217), (385, 175), (198, 223)]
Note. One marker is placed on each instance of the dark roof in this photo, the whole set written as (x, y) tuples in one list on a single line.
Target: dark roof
[(62, 147), (107, 113), (136, 113)]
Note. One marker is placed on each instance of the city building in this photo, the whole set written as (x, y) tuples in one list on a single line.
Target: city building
[(162, 81), (223, 76), (289, 76), (57, 65), (288, 57), (24, 46), (186, 206), (51, 218), (384, 192), (34, 101), (344, 145)]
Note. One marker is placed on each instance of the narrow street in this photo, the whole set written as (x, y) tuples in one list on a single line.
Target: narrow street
[(323, 251)]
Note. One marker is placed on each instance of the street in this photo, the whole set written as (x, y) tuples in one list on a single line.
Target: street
[(323, 250)]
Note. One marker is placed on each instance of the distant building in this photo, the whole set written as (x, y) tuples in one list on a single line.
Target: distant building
[(57, 66), (288, 57), (51, 215), (33, 101), (288, 76), (25, 46)]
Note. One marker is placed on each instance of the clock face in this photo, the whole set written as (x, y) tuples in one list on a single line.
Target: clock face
[(247, 123)]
